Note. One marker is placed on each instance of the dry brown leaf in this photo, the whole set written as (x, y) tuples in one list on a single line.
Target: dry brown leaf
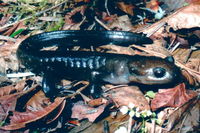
[(127, 8), (7, 104), (191, 79), (20, 119), (97, 102), (5, 19), (69, 22), (11, 47), (121, 23), (186, 115), (39, 101), (173, 97), (153, 5), (118, 49), (81, 111), (129, 94), (194, 64), (14, 90), (14, 28), (185, 17)]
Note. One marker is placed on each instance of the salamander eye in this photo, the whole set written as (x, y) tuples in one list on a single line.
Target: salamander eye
[(159, 72)]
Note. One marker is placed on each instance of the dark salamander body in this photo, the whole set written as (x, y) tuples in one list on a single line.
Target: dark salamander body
[(93, 66)]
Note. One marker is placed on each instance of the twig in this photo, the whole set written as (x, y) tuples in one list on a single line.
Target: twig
[(17, 75), (171, 44), (114, 87), (154, 126), (130, 124), (156, 29), (106, 6), (7, 38), (37, 14), (101, 23), (183, 122), (191, 50), (79, 90), (174, 48)]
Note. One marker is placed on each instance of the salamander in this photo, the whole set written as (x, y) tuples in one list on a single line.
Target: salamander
[(93, 66)]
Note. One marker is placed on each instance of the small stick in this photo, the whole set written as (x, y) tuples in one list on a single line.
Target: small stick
[(174, 48), (106, 6), (7, 38), (101, 23), (130, 124), (156, 29), (171, 44)]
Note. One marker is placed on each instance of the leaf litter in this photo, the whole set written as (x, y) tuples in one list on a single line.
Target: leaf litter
[(164, 22)]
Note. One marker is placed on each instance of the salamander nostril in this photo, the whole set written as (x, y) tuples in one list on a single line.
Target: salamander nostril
[(159, 72)]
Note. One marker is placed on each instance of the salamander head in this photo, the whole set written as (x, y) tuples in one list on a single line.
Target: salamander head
[(153, 70)]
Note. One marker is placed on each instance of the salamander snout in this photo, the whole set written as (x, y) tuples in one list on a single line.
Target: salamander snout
[(153, 70)]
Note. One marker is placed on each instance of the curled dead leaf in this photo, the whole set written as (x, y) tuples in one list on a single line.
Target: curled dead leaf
[(173, 97), (129, 94), (15, 90), (20, 119), (80, 110)]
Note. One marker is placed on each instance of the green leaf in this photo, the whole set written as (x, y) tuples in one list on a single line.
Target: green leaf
[(2, 123), (150, 94), (16, 32)]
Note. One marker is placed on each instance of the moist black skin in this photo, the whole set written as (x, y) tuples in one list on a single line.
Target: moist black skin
[(92, 66)]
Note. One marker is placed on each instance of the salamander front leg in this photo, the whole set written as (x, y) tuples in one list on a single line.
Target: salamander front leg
[(95, 90), (49, 87), (95, 86)]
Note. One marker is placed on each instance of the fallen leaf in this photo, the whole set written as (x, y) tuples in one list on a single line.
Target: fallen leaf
[(83, 111), (189, 78), (14, 90), (129, 94), (4, 20), (39, 101), (186, 115), (127, 8), (121, 23), (15, 27), (185, 17), (7, 104), (173, 97), (20, 119), (97, 102)]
